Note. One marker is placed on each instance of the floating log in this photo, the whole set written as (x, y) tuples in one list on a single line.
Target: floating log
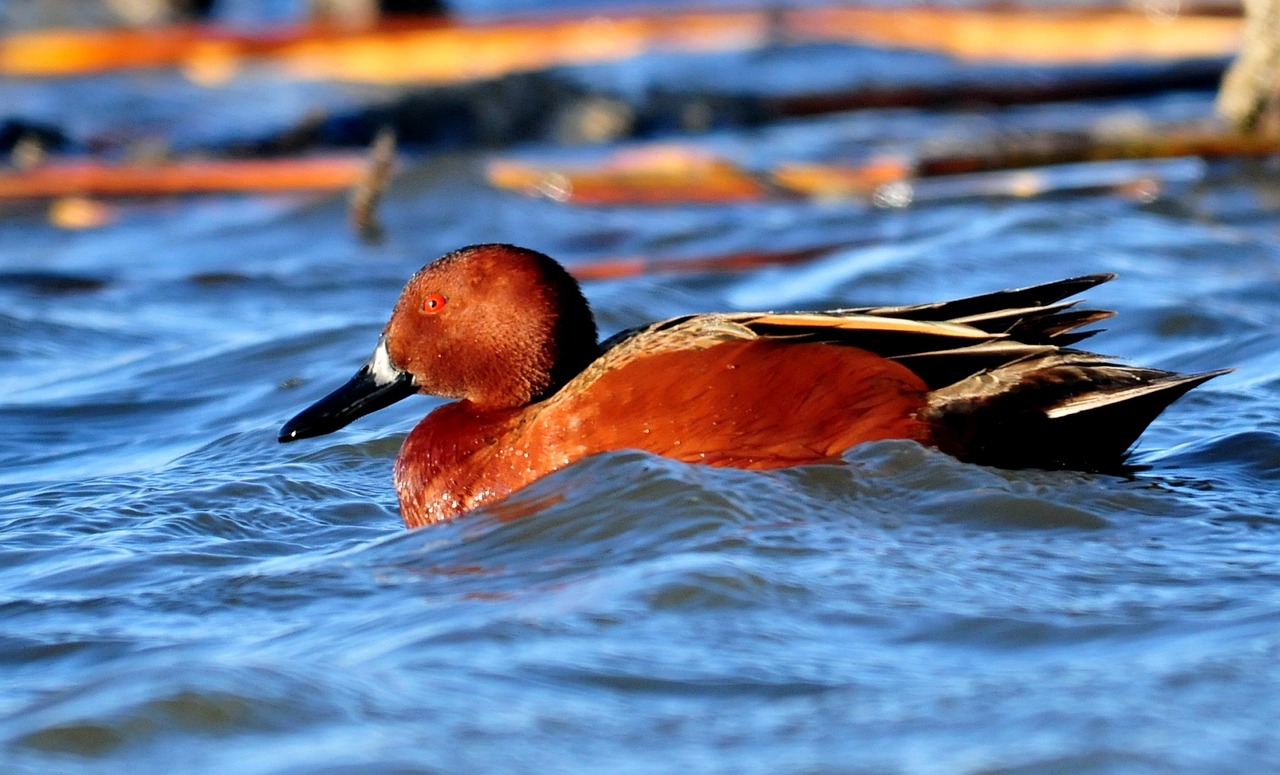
[(671, 174), (1049, 148), (1136, 179), (1113, 83), (657, 175), (834, 181), (61, 178)]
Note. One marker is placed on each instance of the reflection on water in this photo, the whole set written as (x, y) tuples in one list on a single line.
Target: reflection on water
[(182, 593)]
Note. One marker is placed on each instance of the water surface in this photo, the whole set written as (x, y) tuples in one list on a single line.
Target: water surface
[(179, 592)]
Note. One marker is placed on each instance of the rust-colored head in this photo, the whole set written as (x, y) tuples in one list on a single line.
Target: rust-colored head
[(498, 325)]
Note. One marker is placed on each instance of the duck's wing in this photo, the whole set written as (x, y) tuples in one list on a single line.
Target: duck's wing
[(1031, 314), (1037, 314), (943, 342)]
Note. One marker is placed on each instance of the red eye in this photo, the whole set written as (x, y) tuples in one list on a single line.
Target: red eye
[(434, 302)]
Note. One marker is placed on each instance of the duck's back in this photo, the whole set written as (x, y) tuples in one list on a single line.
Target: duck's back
[(753, 402), (990, 379)]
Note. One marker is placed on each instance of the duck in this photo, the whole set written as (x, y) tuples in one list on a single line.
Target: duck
[(507, 333)]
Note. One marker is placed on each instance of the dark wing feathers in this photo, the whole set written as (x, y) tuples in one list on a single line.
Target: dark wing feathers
[(1015, 298), (1063, 409), (1059, 328)]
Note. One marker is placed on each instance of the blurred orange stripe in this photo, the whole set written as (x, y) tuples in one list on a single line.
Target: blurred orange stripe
[(459, 53), (69, 178), (840, 180), (1011, 35), (434, 51), (656, 175), (421, 51)]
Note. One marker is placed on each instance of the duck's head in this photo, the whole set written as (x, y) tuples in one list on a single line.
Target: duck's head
[(497, 325)]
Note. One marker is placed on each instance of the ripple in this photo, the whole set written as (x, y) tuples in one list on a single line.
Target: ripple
[(1005, 510), (636, 500), (708, 584), (149, 703), (1251, 453)]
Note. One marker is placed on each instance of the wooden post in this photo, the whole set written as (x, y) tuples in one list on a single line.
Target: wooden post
[(1250, 93)]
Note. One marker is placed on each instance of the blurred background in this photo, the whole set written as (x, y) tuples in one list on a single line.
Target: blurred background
[(207, 210)]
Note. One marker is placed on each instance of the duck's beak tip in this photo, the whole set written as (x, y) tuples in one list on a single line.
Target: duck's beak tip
[(295, 429), (376, 385)]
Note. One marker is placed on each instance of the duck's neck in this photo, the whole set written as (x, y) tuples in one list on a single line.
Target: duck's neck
[(572, 346)]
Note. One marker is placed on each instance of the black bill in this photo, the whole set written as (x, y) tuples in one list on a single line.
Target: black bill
[(375, 386)]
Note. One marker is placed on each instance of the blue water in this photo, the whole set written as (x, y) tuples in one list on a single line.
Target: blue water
[(180, 593)]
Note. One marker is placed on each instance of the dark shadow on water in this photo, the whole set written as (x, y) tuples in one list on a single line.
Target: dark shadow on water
[(50, 283)]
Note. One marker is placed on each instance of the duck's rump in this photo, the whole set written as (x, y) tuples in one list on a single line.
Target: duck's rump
[(1066, 409)]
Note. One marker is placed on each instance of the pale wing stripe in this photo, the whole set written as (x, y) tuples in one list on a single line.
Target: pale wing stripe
[(873, 323), (1006, 348), (1094, 400), (1019, 312)]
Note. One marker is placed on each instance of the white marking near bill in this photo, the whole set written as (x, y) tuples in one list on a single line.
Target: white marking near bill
[(380, 365)]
